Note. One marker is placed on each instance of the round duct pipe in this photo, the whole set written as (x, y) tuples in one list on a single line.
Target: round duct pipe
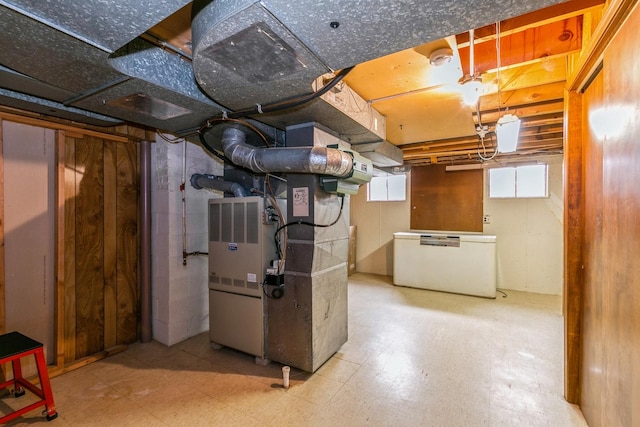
[(314, 160)]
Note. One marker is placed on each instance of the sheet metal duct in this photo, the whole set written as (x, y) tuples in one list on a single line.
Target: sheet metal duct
[(88, 54), (381, 154)]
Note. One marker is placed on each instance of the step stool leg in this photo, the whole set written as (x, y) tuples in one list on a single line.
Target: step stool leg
[(45, 385), (17, 375)]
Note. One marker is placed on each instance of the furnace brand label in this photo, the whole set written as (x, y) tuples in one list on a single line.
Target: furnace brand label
[(232, 246)]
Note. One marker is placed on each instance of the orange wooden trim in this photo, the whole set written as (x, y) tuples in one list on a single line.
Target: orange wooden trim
[(615, 14), (557, 12), (3, 313), (59, 245), (61, 126), (573, 243)]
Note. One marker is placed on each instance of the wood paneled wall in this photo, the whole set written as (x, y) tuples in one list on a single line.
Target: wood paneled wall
[(442, 200), (603, 365), (96, 238), (101, 244), (611, 350)]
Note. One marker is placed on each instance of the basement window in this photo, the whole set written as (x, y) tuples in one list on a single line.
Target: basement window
[(526, 181), (392, 188)]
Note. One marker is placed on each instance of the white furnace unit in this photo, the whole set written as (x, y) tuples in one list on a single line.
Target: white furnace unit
[(241, 247)]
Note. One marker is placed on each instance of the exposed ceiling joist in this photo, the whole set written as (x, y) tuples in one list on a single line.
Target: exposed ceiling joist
[(536, 19)]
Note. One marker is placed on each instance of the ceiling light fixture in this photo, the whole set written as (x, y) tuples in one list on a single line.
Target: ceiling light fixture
[(507, 132), (471, 84), (471, 88)]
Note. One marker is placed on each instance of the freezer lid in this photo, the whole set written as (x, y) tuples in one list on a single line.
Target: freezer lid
[(476, 238)]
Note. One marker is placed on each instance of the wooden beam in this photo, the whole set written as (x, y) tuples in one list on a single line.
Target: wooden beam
[(573, 241), (454, 158), (557, 12), (59, 295), (59, 126), (554, 106), (540, 121), (551, 144), (176, 30), (551, 69), (533, 130), (3, 318), (79, 363), (121, 133), (522, 97), (68, 246), (556, 38), (616, 13)]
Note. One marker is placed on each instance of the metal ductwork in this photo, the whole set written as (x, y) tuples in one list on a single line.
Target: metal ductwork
[(91, 60), (200, 181), (244, 56), (315, 160), (381, 154)]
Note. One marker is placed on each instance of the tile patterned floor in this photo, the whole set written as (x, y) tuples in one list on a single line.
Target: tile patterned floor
[(414, 358)]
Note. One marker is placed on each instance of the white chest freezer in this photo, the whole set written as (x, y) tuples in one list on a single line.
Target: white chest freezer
[(458, 263)]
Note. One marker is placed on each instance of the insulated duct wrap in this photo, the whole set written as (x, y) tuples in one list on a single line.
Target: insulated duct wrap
[(200, 181), (314, 160)]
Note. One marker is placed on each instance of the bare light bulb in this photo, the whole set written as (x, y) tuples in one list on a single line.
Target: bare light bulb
[(471, 88)]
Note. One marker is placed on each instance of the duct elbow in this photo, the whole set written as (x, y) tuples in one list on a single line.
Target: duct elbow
[(200, 181)]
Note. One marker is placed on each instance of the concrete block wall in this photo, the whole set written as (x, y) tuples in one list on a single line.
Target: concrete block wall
[(179, 293)]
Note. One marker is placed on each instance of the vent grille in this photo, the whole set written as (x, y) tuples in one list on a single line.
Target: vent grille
[(253, 222), (236, 245), (226, 220), (214, 223), (238, 222), (257, 54), (150, 106)]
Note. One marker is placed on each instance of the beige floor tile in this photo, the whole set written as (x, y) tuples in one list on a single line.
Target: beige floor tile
[(318, 389), (414, 358), (338, 369)]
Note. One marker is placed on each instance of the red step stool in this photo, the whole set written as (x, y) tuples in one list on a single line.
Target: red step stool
[(13, 347)]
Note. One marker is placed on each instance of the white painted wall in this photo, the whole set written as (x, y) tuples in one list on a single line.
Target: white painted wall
[(529, 235), (376, 222), (179, 293), (29, 227)]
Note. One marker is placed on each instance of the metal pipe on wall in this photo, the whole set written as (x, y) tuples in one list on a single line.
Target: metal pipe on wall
[(145, 242), (183, 193)]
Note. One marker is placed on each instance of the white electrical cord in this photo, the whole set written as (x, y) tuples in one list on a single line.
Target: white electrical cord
[(483, 130)]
